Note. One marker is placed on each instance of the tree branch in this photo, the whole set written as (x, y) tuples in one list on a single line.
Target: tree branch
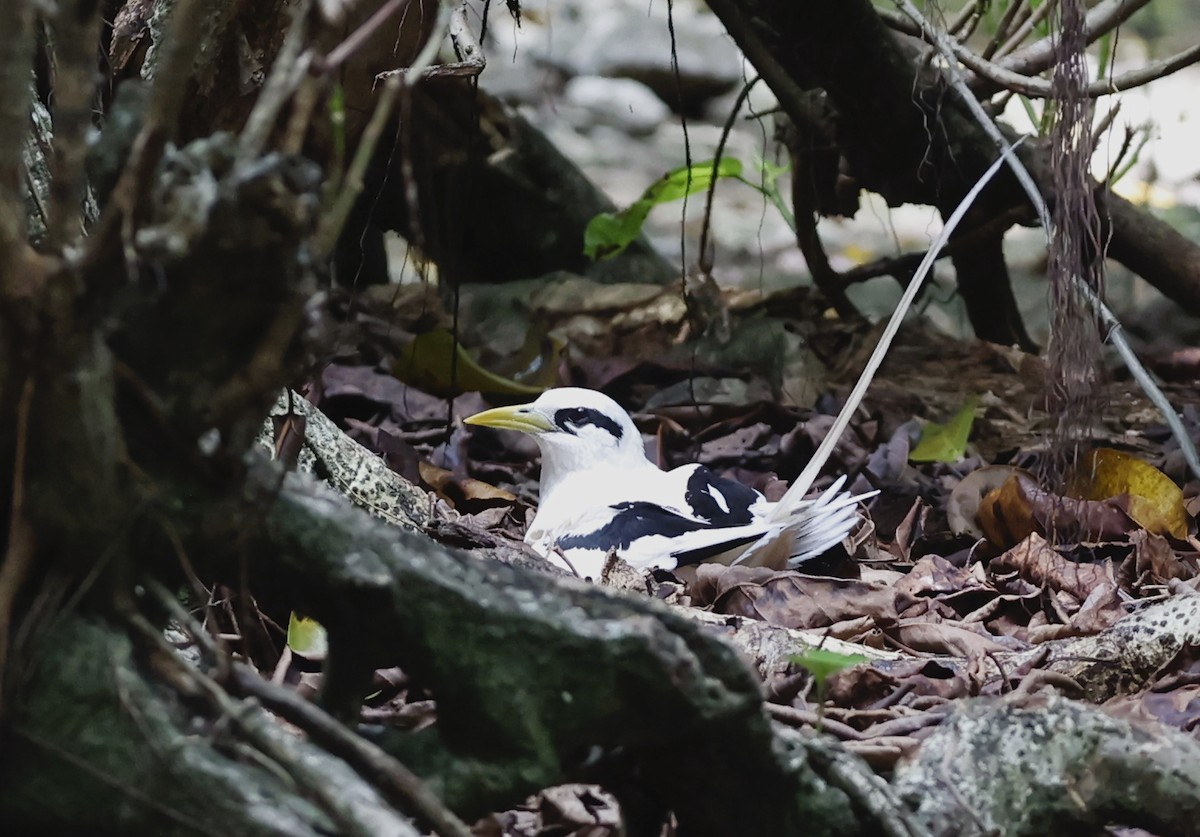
[(1003, 78), (933, 151), (1037, 57)]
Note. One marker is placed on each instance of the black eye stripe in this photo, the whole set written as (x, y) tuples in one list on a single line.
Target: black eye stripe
[(571, 418)]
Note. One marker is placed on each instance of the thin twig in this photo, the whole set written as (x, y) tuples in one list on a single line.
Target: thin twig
[(1040, 88), (907, 724), (796, 717), (1006, 23), (1103, 124), (905, 263), (304, 101), (1017, 74), (1119, 157), (706, 222), (332, 221), (251, 721), (1103, 18), (897, 23), (355, 40), (471, 60), (968, 21), (1026, 25), (366, 758)]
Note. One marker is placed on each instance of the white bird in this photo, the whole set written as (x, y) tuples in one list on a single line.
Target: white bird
[(600, 494)]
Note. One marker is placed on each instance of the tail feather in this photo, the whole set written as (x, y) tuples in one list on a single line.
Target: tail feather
[(812, 526)]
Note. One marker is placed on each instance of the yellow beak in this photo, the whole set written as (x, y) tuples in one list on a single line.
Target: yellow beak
[(519, 417)]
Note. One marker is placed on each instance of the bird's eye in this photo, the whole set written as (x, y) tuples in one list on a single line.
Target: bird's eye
[(573, 416), (569, 419)]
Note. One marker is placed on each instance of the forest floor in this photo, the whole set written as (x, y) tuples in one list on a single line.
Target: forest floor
[(994, 549), (937, 571)]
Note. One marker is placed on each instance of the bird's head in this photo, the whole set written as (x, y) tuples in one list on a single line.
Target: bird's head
[(575, 428)]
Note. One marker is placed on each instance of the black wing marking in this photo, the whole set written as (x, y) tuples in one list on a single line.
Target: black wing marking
[(732, 509), (642, 519), (633, 520)]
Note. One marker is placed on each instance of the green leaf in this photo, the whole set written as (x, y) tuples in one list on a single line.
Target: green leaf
[(306, 638), (436, 362), (1035, 118), (946, 442), (823, 664), (769, 188), (684, 181), (609, 233)]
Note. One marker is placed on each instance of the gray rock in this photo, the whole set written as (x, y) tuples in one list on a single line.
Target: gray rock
[(621, 103), (625, 39)]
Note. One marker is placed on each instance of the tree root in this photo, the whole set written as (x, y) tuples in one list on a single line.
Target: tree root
[(542, 681), (1047, 765)]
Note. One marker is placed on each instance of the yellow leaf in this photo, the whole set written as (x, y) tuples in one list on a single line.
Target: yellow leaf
[(1155, 501), (429, 363), (306, 638), (946, 442)]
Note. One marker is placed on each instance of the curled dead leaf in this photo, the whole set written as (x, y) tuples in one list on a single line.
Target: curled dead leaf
[(1020, 508), (1039, 562), (965, 499), (1154, 500)]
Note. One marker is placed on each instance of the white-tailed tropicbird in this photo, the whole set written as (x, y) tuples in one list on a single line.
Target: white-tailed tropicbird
[(600, 494)]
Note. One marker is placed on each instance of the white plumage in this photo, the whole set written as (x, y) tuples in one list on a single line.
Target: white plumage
[(599, 493)]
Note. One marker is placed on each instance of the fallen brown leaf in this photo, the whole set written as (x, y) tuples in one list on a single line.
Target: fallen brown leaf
[(1037, 561), (463, 493), (1020, 507), (793, 599), (956, 639)]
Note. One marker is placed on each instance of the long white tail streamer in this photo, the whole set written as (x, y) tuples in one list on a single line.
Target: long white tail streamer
[(804, 482)]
